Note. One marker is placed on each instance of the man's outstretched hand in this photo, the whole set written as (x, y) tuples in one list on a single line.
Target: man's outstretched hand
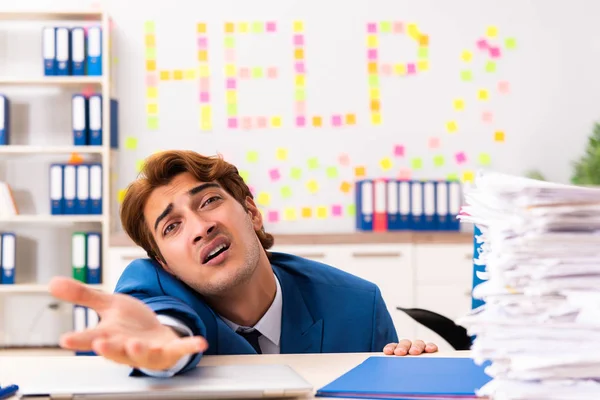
[(406, 347), (129, 332)]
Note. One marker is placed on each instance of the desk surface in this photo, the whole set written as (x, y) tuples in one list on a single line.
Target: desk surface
[(318, 369)]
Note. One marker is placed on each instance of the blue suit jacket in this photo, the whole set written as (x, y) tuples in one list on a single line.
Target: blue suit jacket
[(325, 310)]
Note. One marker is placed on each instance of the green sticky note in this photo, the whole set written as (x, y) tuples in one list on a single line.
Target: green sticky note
[(257, 72), (231, 110), (313, 163), (490, 66), (229, 42), (150, 53), (423, 52), (295, 173), (466, 75), (351, 210), (245, 175), (332, 172), (257, 27), (286, 192), (252, 156), (417, 163), (153, 123), (510, 43), (373, 80), (485, 159), (131, 143), (139, 164), (452, 177), (149, 27), (438, 160), (385, 26), (300, 95)]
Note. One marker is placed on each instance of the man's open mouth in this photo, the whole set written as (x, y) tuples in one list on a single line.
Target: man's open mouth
[(216, 248)]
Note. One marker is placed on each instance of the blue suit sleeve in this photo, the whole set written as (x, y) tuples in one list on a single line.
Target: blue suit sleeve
[(384, 331)]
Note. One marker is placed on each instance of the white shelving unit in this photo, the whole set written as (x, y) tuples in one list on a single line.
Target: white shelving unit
[(101, 84)]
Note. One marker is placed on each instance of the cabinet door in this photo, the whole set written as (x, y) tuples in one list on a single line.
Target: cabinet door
[(443, 263)]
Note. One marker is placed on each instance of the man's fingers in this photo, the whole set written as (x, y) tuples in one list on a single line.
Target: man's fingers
[(112, 349), (403, 347), (75, 292), (431, 348), (81, 341), (417, 348), (160, 357), (389, 348)]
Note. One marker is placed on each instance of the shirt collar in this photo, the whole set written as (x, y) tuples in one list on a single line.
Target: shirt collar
[(270, 323)]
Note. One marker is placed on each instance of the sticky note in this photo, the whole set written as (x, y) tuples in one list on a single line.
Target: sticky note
[(152, 123), (400, 69), (257, 72), (298, 40), (345, 187), (261, 122), (510, 43), (312, 186), (200, 27), (350, 119), (229, 42), (276, 122), (152, 92), (299, 68), (495, 52), (373, 80), (375, 105), (150, 40), (230, 71), (344, 159), (151, 65), (411, 68), (295, 173), (272, 72), (386, 164), (376, 118), (423, 52), (300, 80), (300, 95), (351, 210), (231, 110), (264, 199), (422, 65), (150, 53), (298, 26), (274, 174), (306, 212), (299, 53), (271, 26), (178, 75), (252, 156), (451, 126), (372, 27), (487, 116), (313, 163), (385, 26), (336, 210), (230, 83), (131, 143), (386, 69), (336, 120), (399, 150), (434, 143), (317, 121), (466, 75), (204, 97), (360, 171), (204, 71), (466, 56), (286, 192), (485, 159), (372, 41), (332, 172), (290, 214), (404, 174), (231, 96), (281, 154), (438, 160), (121, 195), (459, 104), (453, 177), (202, 55), (374, 93), (321, 212), (423, 40), (482, 44), (503, 87), (229, 27), (468, 176), (416, 163), (372, 67), (232, 123), (139, 165), (149, 27), (300, 120), (273, 216), (413, 31), (372, 54), (491, 31), (202, 42), (482, 94), (152, 108), (490, 66), (244, 174), (460, 157), (243, 27), (499, 136), (165, 75)]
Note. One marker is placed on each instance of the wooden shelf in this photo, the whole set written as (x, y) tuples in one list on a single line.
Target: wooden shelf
[(51, 80), (53, 218), (19, 149), (24, 15), (32, 288)]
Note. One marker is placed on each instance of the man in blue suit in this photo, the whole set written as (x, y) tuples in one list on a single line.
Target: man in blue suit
[(210, 285)]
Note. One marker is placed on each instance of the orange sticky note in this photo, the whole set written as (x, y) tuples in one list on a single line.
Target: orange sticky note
[(229, 27), (372, 67), (375, 105), (423, 40), (350, 119), (360, 171), (345, 187), (317, 121), (499, 136), (202, 55), (299, 54), (306, 212)]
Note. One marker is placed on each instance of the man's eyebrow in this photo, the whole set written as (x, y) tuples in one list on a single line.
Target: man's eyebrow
[(166, 212), (202, 187)]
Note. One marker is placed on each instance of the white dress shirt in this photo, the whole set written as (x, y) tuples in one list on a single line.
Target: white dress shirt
[(269, 326)]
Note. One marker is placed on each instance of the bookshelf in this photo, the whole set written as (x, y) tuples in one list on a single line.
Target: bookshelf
[(38, 152)]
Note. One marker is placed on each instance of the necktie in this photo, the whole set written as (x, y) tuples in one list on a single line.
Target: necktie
[(251, 337)]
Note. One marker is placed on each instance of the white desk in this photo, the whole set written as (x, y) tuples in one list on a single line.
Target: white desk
[(318, 369)]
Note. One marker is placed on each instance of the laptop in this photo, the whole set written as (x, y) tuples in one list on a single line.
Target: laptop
[(98, 378)]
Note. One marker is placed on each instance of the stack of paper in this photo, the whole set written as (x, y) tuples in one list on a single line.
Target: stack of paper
[(540, 324)]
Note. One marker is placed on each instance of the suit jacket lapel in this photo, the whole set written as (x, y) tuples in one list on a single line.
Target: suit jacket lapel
[(300, 333)]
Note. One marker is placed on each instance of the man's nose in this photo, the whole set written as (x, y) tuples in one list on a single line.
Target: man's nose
[(201, 228)]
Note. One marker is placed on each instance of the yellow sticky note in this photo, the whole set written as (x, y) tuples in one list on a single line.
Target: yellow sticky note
[(482, 94), (298, 26), (286, 192), (165, 75), (252, 156), (466, 56), (245, 175), (400, 69), (468, 176), (422, 65), (376, 118), (229, 27), (306, 212), (264, 199), (131, 143), (151, 65), (152, 108), (201, 27), (459, 104), (345, 187), (321, 212), (386, 163), (312, 186), (205, 112), (231, 96), (202, 55), (499, 136), (204, 71), (451, 126), (276, 122), (150, 40), (152, 92), (289, 214), (413, 31), (281, 154), (139, 165), (121, 195), (317, 121), (178, 74), (374, 93), (360, 172), (243, 27), (230, 71), (372, 42), (152, 123), (491, 31), (300, 81)]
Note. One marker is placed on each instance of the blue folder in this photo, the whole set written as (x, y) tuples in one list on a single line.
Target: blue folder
[(394, 377)]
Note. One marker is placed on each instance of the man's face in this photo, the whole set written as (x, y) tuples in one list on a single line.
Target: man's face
[(206, 237)]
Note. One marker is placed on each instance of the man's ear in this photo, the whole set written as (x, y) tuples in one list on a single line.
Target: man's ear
[(256, 216)]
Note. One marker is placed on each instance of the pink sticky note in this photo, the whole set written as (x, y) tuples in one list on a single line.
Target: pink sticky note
[(232, 123), (460, 157), (398, 27), (344, 159), (231, 83), (272, 72), (503, 87), (399, 150), (299, 68), (247, 123), (261, 122), (386, 69), (372, 54), (495, 52), (111, 24), (372, 27), (151, 79), (229, 55), (336, 210), (204, 84), (244, 73), (88, 90), (434, 143), (298, 40), (252, 190), (482, 44), (202, 42), (274, 174), (204, 97), (271, 26), (273, 216), (404, 174), (411, 68), (336, 120), (300, 107), (487, 116), (300, 120)]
